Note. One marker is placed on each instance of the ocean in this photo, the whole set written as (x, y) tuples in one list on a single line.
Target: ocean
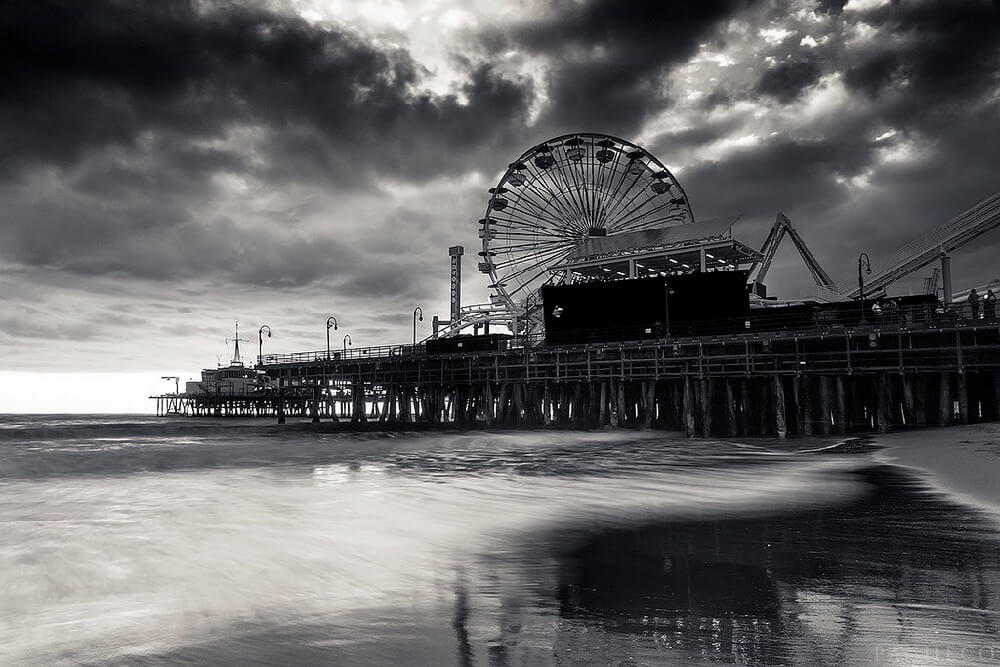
[(146, 541)]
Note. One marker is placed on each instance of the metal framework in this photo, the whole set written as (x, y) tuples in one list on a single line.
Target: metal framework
[(782, 225)]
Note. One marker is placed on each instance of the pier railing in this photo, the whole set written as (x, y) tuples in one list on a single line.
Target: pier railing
[(353, 353), (762, 325)]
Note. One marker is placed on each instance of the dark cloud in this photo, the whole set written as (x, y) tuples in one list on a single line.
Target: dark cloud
[(781, 174), (947, 52), (873, 74), (609, 58), (717, 98), (76, 79), (787, 81), (115, 121), (695, 136), (831, 6)]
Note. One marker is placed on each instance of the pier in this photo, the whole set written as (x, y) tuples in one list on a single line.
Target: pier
[(819, 382), (625, 311)]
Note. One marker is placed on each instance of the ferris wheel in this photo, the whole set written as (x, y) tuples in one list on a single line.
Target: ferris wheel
[(561, 194)]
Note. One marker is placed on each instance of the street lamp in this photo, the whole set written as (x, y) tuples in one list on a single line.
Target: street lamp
[(330, 322), (347, 341), (863, 262), (260, 343), (416, 311)]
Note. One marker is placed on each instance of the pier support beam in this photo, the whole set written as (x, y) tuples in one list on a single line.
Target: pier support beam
[(688, 408), (622, 410), (909, 416), (884, 402), (314, 405), (489, 405), (780, 427), (705, 399), (841, 405), (745, 407), (547, 404), (648, 403), (731, 425), (963, 398), (825, 411), (945, 409), (803, 399), (358, 414), (996, 394)]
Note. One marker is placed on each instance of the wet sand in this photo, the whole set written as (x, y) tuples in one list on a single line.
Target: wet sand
[(127, 545), (963, 461)]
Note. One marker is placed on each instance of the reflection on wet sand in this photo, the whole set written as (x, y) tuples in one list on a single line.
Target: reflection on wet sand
[(483, 549), (899, 575)]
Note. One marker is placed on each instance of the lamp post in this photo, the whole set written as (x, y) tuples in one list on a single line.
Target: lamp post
[(863, 263), (417, 311), (330, 322), (260, 342), (347, 341)]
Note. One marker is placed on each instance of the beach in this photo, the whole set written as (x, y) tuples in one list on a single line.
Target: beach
[(964, 461), (130, 540)]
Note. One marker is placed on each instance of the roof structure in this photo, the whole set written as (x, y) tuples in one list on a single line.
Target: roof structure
[(706, 245), (672, 236)]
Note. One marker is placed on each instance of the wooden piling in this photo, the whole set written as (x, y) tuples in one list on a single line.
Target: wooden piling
[(705, 401), (688, 408), (803, 399), (884, 403), (909, 410), (840, 414), (731, 408), (825, 410), (963, 397), (620, 415), (780, 427), (314, 405), (945, 409)]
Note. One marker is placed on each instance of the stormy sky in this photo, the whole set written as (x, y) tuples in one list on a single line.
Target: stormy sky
[(173, 165)]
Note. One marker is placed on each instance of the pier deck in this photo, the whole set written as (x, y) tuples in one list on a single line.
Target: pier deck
[(817, 381)]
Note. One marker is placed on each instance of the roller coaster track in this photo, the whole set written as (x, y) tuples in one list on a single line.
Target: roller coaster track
[(952, 235)]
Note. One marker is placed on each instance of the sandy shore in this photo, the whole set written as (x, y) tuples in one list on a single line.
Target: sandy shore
[(963, 461)]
